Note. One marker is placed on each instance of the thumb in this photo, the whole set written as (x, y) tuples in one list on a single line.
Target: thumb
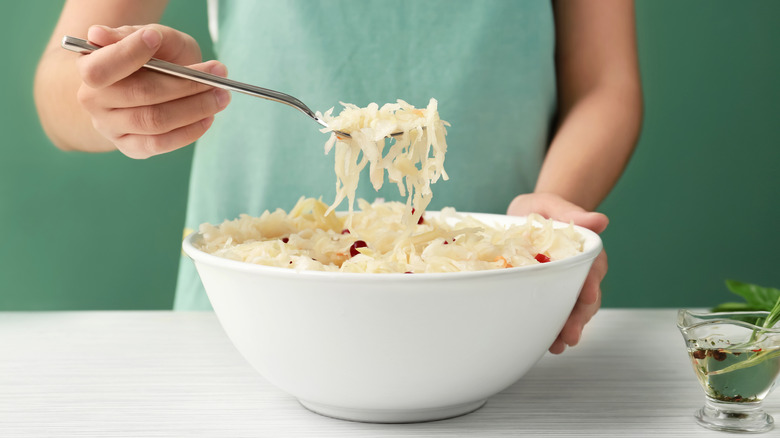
[(165, 42), (555, 207), (115, 61), (594, 221), (105, 35)]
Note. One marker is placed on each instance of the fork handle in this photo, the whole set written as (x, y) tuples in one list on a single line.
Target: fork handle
[(79, 45)]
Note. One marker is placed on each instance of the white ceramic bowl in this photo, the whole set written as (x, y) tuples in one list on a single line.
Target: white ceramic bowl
[(393, 347)]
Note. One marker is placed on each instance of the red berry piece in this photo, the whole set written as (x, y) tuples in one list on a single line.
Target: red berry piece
[(353, 250), (419, 221), (541, 258)]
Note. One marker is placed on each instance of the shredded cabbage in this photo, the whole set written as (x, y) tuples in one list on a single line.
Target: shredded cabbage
[(413, 161), (386, 236), (311, 238)]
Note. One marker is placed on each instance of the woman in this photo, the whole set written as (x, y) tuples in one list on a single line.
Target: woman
[(544, 101)]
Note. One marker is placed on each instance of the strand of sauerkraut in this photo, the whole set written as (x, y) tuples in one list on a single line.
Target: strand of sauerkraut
[(414, 160), (311, 237)]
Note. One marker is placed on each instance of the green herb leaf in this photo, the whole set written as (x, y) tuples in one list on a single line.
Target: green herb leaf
[(760, 298), (753, 361), (774, 316)]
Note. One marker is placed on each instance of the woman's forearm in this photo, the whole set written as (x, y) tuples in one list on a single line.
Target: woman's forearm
[(592, 146), (599, 100), (63, 119)]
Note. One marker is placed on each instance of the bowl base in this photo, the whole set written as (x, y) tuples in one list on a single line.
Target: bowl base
[(393, 415), (734, 417)]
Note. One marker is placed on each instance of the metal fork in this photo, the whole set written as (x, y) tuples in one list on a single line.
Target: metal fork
[(79, 45)]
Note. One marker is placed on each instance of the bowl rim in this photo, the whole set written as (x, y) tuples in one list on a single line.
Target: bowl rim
[(592, 246)]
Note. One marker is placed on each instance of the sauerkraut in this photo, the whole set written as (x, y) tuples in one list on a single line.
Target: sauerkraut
[(310, 237), (386, 236), (413, 158)]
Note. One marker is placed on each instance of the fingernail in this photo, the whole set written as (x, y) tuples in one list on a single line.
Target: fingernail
[(223, 97), (206, 123), (218, 69), (152, 38)]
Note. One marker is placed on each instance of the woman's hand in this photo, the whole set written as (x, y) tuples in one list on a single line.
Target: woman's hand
[(554, 207), (142, 112)]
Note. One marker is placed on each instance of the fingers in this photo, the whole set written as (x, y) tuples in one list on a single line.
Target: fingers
[(555, 207), (558, 346), (146, 87), (588, 304), (594, 221), (591, 288), (589, 300), (144, 112), (144, 146), (163, 117), (580, 316), (144, 131), (572, 331), (125, 50)]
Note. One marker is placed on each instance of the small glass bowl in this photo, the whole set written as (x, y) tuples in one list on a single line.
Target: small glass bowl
[(737, 363)]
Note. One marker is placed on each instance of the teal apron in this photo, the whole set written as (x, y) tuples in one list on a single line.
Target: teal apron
[(489, 63)]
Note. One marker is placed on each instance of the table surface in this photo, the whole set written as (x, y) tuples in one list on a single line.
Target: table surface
[(177, 374)]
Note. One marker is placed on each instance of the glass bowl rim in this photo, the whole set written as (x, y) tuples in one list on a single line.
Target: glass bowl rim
[(724, 318)]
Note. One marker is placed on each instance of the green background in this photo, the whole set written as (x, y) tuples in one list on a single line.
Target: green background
[(697, 205)]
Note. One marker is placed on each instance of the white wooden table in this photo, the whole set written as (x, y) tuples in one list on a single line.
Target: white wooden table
[(175, 374)]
